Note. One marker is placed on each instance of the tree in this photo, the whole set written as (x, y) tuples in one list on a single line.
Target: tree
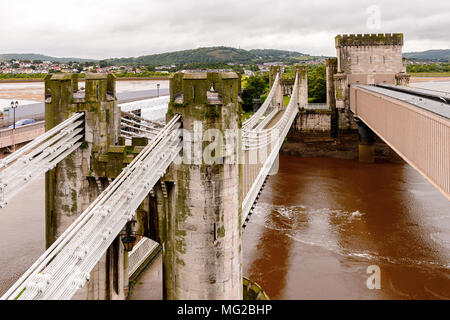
[(257, 85), (104, 64), (317, 84)]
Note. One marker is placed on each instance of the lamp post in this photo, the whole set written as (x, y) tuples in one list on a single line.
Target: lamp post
[(129, 237), (157, 86), (14, 105)]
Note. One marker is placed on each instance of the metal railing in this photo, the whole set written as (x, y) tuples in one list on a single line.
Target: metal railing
[(66, 265), (27, 128), (140, 253), (264, 146), (42, 154)]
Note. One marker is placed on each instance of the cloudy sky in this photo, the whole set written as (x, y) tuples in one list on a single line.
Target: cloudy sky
[(113, 28)]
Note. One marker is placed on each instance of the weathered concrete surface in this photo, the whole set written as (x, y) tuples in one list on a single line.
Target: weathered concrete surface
[(71, 186), (149, 284), (366, 59), (202, 249)]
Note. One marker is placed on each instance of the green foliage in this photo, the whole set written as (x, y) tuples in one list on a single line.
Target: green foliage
[(433, 67), (84, 145), (256, 86), (213, 55), (21, 76), (247, 115), (104, 64), (212, 112), (317, 84)]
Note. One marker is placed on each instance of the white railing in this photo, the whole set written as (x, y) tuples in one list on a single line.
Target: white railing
[(65, 267), (265, 139), (250, 123), (153, 109), (42, 154), (141, 251)]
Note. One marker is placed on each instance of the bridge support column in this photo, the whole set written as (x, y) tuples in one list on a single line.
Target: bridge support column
[(302, 86), (366, 147), (202, 247), (279, 97), (331, 65), (71, 186)]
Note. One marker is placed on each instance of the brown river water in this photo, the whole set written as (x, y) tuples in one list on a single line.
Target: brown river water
[(319, 224)]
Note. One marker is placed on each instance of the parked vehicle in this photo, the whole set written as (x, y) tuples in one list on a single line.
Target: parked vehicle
[(22, 122)]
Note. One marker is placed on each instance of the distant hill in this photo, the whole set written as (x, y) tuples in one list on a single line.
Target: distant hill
[(34, 56), (431, 55), (277, 54), (207, 55), (213, 55)]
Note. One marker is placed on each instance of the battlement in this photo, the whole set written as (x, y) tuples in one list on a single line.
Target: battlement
[(98, 87), (380, 39), (211, 88)]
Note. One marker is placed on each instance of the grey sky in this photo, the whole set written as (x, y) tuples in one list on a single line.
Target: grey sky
[(113, 28)]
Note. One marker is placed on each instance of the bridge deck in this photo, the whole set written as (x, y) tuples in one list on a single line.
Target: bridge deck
[(417, 128), (440, 108)]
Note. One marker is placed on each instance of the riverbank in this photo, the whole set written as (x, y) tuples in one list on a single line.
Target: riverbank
[(34, 91), (415, 79)]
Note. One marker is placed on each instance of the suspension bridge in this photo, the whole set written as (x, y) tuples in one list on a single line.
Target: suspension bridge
[(111, 174)]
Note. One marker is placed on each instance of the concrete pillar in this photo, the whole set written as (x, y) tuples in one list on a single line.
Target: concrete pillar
[(302, 86), (202, 243), (279, 93), (70, 186), (366, 145), (331, 67)]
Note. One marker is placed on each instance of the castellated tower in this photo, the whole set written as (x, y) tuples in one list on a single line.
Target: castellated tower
[(203, 245), (368, 59), (70, 187)]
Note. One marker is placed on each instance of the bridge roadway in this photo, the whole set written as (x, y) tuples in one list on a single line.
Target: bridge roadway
[(413, 122)]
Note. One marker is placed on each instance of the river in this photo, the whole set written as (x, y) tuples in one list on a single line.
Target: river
[(319, 224)]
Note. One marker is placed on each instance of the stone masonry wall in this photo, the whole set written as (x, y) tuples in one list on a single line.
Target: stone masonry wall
[(202, 247)]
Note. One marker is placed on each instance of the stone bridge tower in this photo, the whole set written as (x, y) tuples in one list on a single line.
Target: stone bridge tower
[(72, 185), (369, 59), (202, 245)]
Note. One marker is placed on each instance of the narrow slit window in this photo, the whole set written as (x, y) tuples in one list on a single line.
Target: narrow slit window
[(215, 232)]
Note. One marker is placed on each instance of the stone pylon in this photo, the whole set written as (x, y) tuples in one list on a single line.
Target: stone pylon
[(70, 187), (202, 229)]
